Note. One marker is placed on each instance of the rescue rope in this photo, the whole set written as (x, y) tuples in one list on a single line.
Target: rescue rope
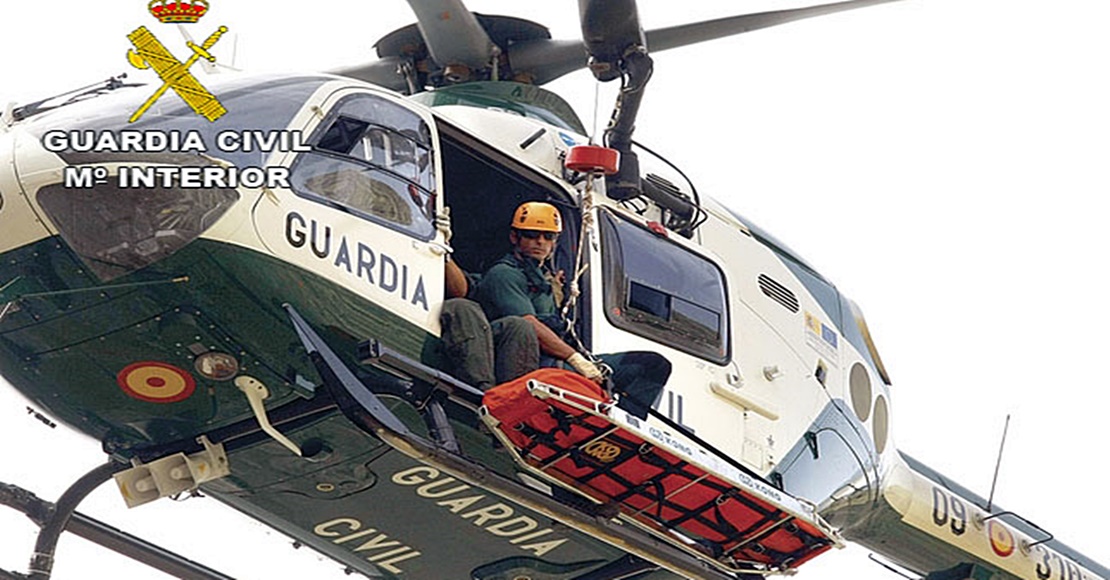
[(586, 204), (569, 312)]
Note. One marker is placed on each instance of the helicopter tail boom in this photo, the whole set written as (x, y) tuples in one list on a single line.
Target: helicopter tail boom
[(928, 523)]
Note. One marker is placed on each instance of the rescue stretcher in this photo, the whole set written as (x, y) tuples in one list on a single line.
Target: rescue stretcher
[(564, 429)]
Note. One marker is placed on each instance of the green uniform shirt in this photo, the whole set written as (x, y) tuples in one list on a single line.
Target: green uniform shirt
[(516, 287)]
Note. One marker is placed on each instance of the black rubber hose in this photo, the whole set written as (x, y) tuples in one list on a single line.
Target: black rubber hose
[(42, 561)]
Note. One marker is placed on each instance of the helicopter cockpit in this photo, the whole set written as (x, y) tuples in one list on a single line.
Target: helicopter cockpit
[(118, 229)]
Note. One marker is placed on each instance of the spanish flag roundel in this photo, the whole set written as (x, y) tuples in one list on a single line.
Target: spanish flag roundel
[(1002, 541), (156, 382)]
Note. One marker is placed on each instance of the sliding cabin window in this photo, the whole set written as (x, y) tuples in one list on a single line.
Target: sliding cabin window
[(658, 289), (374, 158)]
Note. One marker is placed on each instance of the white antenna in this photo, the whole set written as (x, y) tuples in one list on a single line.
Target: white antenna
[(998, 463)]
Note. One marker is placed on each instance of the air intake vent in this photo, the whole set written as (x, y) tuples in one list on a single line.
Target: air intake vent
[(778, 292)]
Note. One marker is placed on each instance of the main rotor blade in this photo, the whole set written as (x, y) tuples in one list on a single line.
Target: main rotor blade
[(547, 60), (609, 27), (454, 36), (452, 33), (382, 72), (687, 34)]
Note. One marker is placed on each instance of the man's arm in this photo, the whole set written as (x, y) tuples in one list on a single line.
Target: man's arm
[(550, 343), (454, 279)]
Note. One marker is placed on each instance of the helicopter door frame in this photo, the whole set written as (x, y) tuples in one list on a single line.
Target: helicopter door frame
[(483, 185), (362, 202)]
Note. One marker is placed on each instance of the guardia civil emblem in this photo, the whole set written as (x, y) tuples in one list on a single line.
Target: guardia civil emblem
[(150, 53)]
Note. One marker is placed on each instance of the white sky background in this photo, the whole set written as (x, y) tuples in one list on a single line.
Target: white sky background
[(942, 161)]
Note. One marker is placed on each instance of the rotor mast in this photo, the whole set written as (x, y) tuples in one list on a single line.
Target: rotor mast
[(617, 48)]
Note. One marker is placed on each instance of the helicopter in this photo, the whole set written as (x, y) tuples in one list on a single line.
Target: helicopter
[(296, 229)]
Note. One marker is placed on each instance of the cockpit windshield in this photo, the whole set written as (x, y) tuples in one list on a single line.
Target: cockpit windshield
[(118, 229)]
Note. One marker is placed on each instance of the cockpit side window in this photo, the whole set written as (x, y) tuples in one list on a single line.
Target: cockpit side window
[(660, 290), (373, 158)]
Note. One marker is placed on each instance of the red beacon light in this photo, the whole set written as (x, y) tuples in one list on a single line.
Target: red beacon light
[(658, 229), (593, 159)]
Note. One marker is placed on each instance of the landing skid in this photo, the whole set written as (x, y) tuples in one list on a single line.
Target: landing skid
[(365, 409), (56, 518)]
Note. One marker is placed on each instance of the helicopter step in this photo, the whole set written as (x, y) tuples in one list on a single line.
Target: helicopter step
[(563, 428)]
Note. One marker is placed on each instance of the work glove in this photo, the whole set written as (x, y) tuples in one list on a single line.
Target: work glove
[(585, 367), (443, 224)]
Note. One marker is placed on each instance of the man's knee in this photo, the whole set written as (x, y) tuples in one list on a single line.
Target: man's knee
[(637, 363), (639, 377), (516, 330), (461, 309), (463, 320), (516, 346), (468, 342), (653, 364)]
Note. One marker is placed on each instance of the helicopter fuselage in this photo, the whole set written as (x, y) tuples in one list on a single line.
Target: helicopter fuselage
[(144, 267)]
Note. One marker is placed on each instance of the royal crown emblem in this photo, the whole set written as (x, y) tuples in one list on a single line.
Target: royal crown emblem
[(177, 11)]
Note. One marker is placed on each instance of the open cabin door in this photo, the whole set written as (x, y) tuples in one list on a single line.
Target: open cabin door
[(362, 204), (483, 185)]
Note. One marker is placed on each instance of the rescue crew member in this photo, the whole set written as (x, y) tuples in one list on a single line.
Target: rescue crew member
[(524, 283), (481, 354)]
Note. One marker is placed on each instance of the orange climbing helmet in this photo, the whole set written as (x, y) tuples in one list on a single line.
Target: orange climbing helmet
[(539, 216)]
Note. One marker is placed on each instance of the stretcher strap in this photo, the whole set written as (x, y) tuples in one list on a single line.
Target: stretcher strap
[(676, 496)]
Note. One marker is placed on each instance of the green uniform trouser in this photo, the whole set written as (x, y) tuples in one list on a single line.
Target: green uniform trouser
[(638, 377), (485, 354)]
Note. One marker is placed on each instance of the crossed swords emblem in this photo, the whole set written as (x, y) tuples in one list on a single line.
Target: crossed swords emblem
[(150, 53)]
